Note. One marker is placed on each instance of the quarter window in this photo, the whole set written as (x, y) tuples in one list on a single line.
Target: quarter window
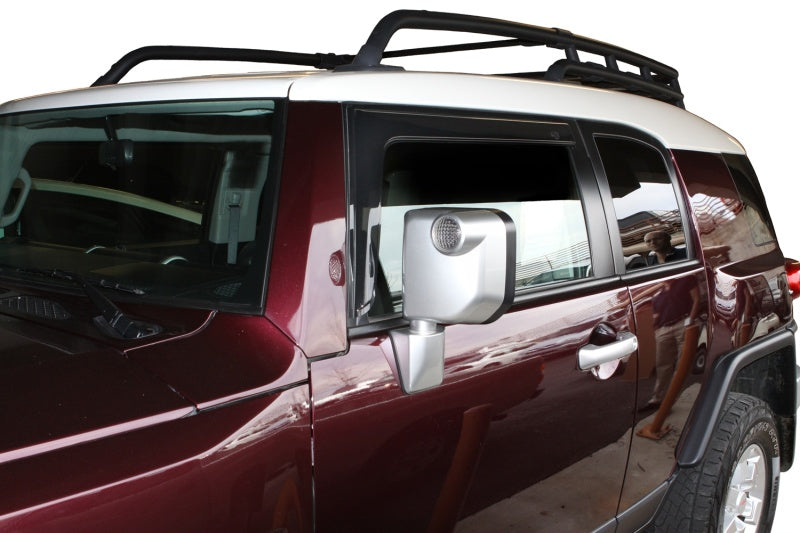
[(754, 207)]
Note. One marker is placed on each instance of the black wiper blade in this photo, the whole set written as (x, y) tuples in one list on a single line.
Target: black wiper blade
[(119, 287), (111, 319), (73, 276)]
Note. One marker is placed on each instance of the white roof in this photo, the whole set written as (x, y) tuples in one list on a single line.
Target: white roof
[(242, 86), (674, 127)]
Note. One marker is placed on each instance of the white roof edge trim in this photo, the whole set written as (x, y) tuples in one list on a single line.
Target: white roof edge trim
[(208, 88), (672, 126)]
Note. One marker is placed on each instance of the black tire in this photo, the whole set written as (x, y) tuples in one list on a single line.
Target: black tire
[(695, 501)]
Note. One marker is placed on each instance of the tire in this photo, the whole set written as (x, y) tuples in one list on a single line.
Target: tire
[(704, 498)]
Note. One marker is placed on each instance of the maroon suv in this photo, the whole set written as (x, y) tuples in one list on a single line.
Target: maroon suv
[(364, 299)]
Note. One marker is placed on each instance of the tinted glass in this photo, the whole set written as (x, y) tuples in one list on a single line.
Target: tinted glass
[(650, 224), (754, 206), (166, 198), (532, 183)]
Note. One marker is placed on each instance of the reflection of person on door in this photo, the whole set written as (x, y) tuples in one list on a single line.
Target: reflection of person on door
[(677, 301)]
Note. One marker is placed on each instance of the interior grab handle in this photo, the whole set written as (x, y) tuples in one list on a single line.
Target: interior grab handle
[(25, 186)]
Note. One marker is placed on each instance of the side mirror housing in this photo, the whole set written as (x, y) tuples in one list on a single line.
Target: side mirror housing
[(458, 268)]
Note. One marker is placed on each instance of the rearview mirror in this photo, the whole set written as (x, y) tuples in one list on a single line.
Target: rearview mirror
[(116, 153)]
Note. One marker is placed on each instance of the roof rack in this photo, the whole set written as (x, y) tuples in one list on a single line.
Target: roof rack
[(654, 79), (205, 53)]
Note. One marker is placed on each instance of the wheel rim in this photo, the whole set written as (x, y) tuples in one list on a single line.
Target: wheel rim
[(746, 492)]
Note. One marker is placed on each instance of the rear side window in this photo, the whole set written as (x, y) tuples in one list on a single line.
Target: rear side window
[(732, 218), (650, 225), (533, 183), (754, 207)]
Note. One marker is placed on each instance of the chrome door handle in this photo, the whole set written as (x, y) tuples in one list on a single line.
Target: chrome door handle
[(591, 355)]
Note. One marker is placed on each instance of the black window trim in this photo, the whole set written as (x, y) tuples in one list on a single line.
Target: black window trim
[(592, 129), (470, 126), (543, 295)]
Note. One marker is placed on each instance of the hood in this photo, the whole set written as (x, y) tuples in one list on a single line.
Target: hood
[(64, 381), (58, 389)]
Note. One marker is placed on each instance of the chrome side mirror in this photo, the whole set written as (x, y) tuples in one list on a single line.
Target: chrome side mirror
[(458, 268)]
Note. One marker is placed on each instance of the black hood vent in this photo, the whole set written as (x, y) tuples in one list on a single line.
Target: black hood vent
[(34, 305)]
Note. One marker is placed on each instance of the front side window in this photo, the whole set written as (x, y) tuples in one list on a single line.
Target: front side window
[(650, 225), (533, 183), (167, 199)]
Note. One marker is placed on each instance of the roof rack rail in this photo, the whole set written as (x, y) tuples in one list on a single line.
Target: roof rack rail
[(205, 53), (654, 79)]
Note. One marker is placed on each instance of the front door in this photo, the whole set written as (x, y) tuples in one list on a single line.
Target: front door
[(517, 436)]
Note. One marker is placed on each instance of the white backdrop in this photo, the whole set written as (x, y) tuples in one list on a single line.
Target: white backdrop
[(734, 59)]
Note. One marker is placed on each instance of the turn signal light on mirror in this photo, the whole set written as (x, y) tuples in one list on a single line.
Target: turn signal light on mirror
[(447, 235)]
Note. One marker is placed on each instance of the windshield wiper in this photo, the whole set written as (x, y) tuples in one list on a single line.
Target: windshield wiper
[(111, 319)]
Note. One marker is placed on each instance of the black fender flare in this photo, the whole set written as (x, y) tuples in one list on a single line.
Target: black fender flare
[(708, 407)]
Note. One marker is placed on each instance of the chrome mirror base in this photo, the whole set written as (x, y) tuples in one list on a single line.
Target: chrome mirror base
[(419, 353)]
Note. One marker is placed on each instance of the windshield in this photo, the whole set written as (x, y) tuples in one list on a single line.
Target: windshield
[(170, 198)]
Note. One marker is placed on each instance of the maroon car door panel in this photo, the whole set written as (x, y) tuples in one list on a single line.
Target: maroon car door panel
[(516, 423)]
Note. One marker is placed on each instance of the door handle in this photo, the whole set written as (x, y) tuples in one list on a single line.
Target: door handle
[(591, 355)]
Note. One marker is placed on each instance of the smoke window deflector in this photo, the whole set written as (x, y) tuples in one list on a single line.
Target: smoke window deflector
[(370, 129)]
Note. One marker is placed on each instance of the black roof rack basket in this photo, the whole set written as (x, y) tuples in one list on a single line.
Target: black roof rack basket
[(650, 78), (654, 79)]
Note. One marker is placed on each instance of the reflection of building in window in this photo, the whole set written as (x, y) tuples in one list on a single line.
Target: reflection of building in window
[(564, 264), (712, 211), (722, 220), (755, 208)]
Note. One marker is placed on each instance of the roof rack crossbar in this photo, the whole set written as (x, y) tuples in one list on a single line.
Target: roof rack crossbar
[(205, 53), (465, 47), (374, 50)]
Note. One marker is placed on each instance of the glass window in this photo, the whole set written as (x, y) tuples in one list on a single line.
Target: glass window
[(532, 183), (650, 224), (165, 197), (754, 207)]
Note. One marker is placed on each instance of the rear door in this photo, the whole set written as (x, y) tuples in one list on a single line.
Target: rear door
[(655, 251), (517, 436)]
